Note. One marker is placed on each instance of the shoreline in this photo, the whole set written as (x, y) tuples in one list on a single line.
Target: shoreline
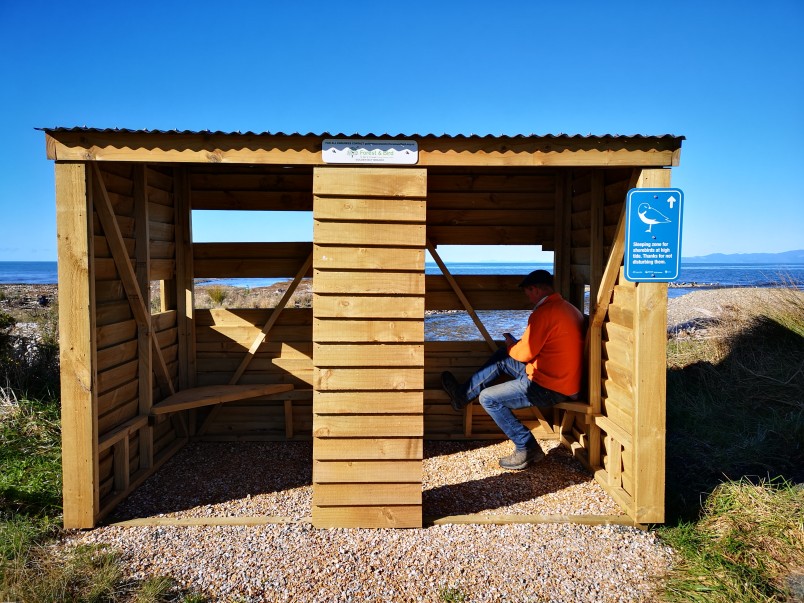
[(705, 304)]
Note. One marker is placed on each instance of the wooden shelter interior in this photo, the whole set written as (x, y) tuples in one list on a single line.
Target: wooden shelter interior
[(353, 373)]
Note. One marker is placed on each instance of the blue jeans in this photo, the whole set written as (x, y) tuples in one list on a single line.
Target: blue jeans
[(501, 399)]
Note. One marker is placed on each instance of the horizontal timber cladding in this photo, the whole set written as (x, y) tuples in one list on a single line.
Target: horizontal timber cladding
[(596, 202), (249, 260), (223, 337), (491, 206), (250, 188), (368, 346), (161, 223)]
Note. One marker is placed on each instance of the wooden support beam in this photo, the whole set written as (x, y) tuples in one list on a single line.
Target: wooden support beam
[(650, 392), (468, 306), (482, 519), (144, 336), (184, 283), (596, 237), (271, 320), (105, 211), (78, 347), (562, 237), (121, 431)]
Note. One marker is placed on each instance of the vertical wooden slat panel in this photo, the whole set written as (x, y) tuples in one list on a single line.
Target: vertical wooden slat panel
[(79, 420), (357, 214)]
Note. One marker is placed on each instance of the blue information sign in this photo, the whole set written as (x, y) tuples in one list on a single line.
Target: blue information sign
[(653, 234)]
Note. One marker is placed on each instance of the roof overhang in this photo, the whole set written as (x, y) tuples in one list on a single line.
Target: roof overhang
[(155, 146)]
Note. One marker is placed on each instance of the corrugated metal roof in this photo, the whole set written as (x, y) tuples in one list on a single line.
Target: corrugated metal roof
[(58, 129)]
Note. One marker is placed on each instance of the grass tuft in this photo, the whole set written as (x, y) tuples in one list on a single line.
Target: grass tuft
[(735, 456), (735, 403), (745, 547)]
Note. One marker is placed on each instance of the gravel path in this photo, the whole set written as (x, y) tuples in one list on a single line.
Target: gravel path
[(295, 562)]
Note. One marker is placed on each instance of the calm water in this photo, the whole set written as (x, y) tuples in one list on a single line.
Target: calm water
[(31, 273), (693, 276)]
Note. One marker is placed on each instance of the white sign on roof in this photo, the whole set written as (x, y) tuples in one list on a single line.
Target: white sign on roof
[(396, 152)]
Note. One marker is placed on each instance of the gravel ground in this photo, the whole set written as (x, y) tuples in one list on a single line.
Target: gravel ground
[(295, 562)]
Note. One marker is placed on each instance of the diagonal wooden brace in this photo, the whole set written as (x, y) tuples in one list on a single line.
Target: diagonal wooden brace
[(111, 229)]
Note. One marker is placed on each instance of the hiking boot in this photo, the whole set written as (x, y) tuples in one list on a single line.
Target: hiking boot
[(456, 398), (522, 458)]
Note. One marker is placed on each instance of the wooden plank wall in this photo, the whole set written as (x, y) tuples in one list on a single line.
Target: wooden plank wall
[(629, 430), (464, 206), (596, 200), (223, 338), (491, 206), (368, 356), (129, 449)]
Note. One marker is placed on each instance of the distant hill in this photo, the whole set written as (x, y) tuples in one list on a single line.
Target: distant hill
[(785, 257)]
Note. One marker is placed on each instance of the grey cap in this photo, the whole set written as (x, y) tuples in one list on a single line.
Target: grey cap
[(537, 277)]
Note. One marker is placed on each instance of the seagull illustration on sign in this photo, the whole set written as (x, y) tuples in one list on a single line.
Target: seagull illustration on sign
[(651, 216)]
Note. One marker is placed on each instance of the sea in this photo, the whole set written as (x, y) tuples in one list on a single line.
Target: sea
[(458, 325), (692, 276)]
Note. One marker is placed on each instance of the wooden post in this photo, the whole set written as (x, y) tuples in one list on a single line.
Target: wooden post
[(368, 392), (184, 279), (562, 237), (650, 387), (144, 336), (596, 260), (79, 415)]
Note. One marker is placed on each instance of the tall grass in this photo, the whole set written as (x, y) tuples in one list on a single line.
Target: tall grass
[(32, 569), (735, 455)]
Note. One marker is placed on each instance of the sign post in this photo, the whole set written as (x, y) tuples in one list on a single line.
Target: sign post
[(653, 234)]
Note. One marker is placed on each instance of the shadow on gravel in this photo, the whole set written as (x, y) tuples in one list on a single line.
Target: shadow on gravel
[(556, 472), (209, 473)]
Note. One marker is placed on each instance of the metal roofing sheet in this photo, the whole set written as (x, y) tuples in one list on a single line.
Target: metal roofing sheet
[(357, 135)]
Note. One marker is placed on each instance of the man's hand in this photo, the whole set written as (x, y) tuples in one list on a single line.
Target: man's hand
[(509, 339)]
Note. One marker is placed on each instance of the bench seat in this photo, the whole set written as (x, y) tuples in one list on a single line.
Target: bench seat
[(207, 395)]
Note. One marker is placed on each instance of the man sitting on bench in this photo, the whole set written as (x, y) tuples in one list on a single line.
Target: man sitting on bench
[(546, 366)]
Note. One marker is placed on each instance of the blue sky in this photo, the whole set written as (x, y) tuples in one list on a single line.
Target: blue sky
[(727, 75)]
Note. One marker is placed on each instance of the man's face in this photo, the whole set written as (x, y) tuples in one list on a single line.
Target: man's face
[(535, 293)]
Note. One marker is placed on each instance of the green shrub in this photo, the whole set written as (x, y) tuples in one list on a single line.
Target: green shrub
[(217, 294)]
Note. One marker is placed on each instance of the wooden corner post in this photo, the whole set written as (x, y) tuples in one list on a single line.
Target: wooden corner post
[(650, 386), (79, 416)]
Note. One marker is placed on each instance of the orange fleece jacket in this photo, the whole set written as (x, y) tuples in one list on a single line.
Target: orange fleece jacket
[(552, 346)]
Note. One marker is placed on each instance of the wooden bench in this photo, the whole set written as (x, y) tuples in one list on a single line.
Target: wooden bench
[(575, 406), (208, 395)]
